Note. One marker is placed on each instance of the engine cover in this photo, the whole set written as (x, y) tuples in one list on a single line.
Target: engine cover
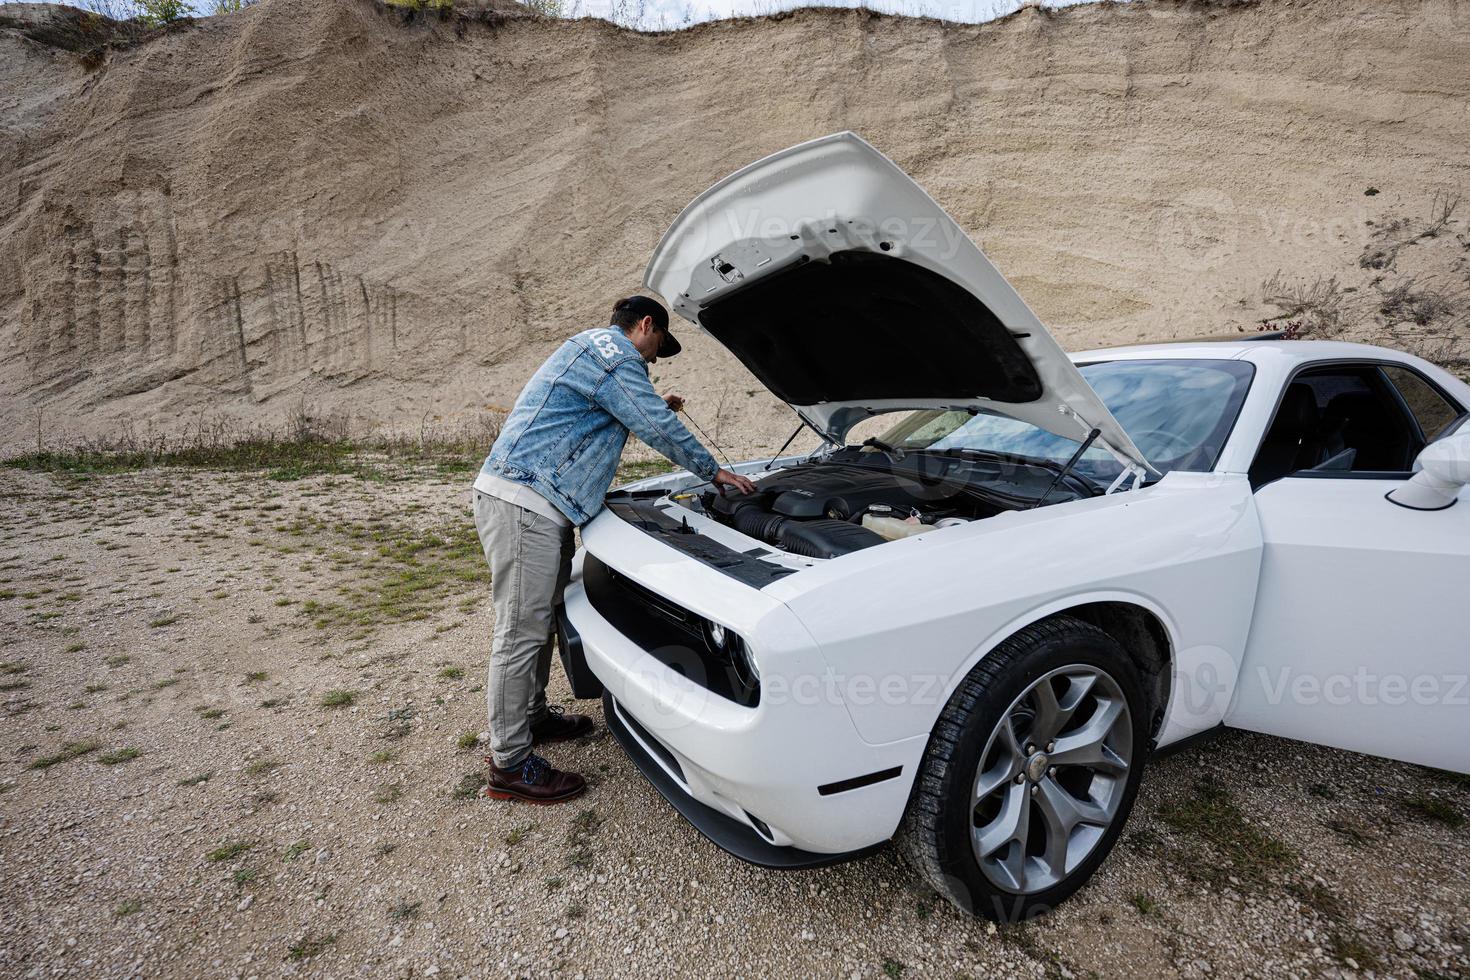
[(833, 491), (804, 504)]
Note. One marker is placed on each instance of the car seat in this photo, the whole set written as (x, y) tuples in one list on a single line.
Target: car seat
[(1294, 441)]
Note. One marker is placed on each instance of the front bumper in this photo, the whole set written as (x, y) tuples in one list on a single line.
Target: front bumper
[(791, 773), (733, 836)]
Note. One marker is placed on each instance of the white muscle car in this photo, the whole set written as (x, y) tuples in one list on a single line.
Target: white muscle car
[(969, 629)]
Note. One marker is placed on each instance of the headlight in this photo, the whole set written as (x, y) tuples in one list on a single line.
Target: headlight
[(745, 664), (730, 648)]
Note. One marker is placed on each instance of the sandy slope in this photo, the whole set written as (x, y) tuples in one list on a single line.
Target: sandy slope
[(389, 218)]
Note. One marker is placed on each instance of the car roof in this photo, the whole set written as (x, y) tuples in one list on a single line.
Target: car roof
[(1279, 351)]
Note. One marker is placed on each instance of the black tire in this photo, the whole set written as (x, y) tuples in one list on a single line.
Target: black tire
[(935, 838)]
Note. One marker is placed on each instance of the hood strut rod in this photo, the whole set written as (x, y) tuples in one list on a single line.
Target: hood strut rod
[(1091, 436), (784, 445)]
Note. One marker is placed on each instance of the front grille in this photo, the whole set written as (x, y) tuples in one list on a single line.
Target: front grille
[(658, 605), (663, 629)]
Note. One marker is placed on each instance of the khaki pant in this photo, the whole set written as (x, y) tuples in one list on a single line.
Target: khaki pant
[(530, 563)]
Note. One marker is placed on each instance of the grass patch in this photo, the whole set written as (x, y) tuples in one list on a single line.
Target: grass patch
[(309, 946), (467, 740), (1239, 849), (307, 446), (382, 756), (255, 677), (1435, 810), (229, 850), (202, 777), (579, 838), (451, 673), (1144, 904), (338, 699), (402, 574), (1459, 780), (262, 766), (297, 849), (118, 660), (470, 786), (118, 756), (161, 621), (69, 751), (632, 470), (1319, 899), (1349, 831), (1348, 946), (391, 793), (127, 907), (405, 910)]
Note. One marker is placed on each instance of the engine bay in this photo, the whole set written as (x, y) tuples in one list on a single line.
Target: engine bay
[(852, 500)]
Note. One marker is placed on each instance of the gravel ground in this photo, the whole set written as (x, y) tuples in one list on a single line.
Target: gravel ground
[(180, 799)]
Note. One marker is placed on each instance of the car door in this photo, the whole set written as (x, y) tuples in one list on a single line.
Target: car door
[(1359, 637)]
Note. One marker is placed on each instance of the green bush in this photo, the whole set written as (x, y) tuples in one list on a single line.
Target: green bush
[(156, 13)]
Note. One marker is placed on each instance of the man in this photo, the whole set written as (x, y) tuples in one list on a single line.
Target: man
[(550, 469)]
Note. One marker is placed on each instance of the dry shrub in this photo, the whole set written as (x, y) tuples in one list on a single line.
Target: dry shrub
[(1317, 305), (1421, 304)]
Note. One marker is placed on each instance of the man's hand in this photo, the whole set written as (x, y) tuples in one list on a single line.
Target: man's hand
[(675, 403), (725, 478)]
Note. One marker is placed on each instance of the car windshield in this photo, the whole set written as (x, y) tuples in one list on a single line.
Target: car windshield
[(1178, 412)]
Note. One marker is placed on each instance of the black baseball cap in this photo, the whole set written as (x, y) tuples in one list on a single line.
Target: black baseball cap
[(642, 306)]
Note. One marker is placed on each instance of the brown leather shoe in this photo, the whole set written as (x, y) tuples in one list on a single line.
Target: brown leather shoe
[(533, 781), (558, 726)]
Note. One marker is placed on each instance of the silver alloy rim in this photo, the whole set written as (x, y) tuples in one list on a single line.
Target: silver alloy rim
[(1051, 779)]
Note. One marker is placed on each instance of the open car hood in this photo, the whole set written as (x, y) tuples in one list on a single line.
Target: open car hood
[(848, 292)]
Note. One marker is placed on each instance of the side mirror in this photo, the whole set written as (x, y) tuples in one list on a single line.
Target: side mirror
[(1444, 468)]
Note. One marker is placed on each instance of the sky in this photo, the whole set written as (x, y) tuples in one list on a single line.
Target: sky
[(674, 14), (668, 14)]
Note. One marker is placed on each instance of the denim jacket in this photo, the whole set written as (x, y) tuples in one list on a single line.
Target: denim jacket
[(565, 435)]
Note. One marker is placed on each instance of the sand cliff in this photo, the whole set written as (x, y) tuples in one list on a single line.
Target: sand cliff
[(397, 216)]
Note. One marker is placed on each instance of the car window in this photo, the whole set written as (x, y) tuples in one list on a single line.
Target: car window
[(1430, 409), (1335, 418), (1339, 386), (1177, 411)]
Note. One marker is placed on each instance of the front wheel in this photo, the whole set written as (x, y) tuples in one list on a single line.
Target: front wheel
[(1030, 773)]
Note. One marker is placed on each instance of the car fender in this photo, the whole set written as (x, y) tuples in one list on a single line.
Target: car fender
[(901, 625), (1061, 605)]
